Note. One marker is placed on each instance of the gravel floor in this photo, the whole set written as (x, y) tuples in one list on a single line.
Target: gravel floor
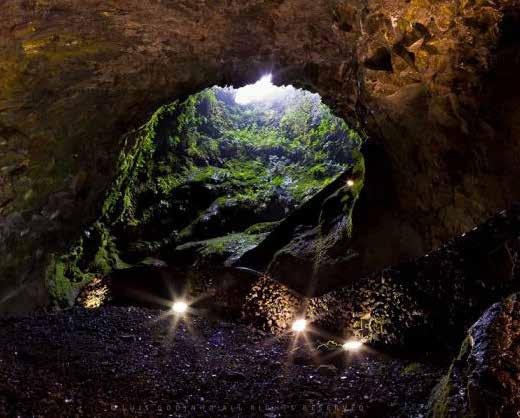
[(134, 362)]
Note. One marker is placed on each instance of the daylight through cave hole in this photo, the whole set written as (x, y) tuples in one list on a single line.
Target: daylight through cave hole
[(216, 174)]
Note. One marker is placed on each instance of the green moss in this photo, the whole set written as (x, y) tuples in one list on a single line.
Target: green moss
[(233, 243), (95, 255), (62, 281), (60, 287), (216, 246), (319, 171), (441, 394), (217, 250), (412, 368), (440, 405), (262, 227), (358, 172), (107, 257), (134, 168)]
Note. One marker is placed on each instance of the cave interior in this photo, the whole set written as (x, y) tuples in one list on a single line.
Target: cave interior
[(260, 208)]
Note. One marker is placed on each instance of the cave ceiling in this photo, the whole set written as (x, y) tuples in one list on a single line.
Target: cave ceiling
[(430, 84)]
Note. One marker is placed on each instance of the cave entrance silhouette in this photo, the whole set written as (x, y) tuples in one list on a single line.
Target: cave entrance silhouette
[(226, 174)]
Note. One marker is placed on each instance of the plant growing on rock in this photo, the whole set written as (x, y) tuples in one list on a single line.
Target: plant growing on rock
[(209, 167)]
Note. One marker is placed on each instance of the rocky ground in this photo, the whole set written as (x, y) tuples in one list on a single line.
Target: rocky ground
[(134, 362)]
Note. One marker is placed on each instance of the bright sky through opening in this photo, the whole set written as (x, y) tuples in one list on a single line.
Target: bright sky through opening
[(262, 90)]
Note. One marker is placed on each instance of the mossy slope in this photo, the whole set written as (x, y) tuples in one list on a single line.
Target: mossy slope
[(202, 172)]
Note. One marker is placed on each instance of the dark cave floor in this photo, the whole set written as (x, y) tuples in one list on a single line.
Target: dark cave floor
[(128, 362)]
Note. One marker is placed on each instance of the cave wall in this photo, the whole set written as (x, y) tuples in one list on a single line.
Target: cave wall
[(415, 76)]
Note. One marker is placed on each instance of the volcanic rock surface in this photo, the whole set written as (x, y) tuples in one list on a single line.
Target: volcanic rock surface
[(431, 83), (483, 381), (135, 362), (397, 307)]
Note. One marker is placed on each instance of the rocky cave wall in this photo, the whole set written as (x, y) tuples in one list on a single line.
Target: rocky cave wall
[(415, 76)]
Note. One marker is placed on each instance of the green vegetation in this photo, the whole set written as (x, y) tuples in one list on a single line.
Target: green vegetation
[(412, 368), (94, 254), (211, 171), (447, 391), (208, 167), (262, 227), (217, 250)]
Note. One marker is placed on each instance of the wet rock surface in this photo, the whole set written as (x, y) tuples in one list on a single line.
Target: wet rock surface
[(129, 362), (484, 381)]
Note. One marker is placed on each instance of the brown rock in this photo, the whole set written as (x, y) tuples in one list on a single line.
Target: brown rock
[(77, 75)]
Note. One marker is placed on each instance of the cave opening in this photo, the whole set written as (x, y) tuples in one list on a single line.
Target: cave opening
[(210, 182), (123, 181)]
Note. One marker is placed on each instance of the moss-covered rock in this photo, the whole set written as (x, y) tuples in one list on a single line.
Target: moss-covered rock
[(483, 379), (220, 251), (261, 227), (93, 255), (314, 241), (208, 167)]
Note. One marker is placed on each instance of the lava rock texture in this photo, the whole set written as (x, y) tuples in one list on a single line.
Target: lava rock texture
[(483, 380), (130, 362), (396, 307), (401, 305), (430, 82)]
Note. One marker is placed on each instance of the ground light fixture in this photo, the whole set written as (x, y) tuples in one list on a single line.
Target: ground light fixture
[(352, 345), (179, 307), (299, 325), (350, 183)]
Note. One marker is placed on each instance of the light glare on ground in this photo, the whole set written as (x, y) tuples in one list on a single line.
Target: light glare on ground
[(299, 325), (352, 345), (180, 307)]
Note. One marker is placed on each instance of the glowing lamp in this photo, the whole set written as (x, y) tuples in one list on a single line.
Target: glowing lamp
[(180, 307), (352, 345), (350, 183), (299, 325)]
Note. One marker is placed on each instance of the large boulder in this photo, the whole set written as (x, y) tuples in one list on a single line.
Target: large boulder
[(484, 380), (223, 290), (427, 303), (215, 252)]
